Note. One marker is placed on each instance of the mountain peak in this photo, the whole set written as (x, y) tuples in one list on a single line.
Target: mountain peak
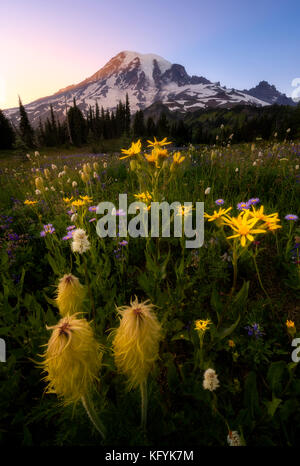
[(147, 78), (268, 92)]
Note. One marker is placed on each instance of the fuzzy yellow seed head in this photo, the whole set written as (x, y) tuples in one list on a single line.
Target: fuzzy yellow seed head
[(72, 359), (96, 165), (70, 295), (136, 341), (47, 173), (39, 183), (87, 168), (85, 177)]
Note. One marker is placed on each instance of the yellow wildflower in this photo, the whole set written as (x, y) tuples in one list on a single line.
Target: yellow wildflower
[(134, 149), (183, 210), (231, 343), (156, 143), (291, 328), (216, 215), (144, 197), (27, 202), (202, 325), (290, 324), (178, 158), (86, 199), (243, 226), (78, 203), (67, 200)]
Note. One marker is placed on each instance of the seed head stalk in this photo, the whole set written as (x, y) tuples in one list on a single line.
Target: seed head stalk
[(90, 410)]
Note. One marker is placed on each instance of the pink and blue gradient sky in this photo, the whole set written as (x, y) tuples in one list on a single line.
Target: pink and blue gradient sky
[(47, 45)]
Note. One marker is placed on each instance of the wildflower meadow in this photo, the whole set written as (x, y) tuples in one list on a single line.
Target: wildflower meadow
[(123, 340)]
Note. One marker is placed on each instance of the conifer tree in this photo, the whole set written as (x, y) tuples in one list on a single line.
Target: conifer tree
[(26, 130), (7, 135), (77, 124), (127, 116)]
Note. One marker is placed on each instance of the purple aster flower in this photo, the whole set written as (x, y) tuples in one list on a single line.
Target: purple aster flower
[(123, 243), (292, 217), (219, 201), (119, 212), (71, 227), (93, 208), (253, 201), (92, 220), (243, 206), (68, 236), (48, 229), (70, 212)]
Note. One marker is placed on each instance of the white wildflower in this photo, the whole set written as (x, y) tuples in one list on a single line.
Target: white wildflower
[(54, 167), (207, 191), (233, 439), (254, 163), (37, 192), (28, 156), (36, 153), (210, 380), (46, 189), (104, 165), (52, 188), (80, 242), (297, 167), (74, 184)]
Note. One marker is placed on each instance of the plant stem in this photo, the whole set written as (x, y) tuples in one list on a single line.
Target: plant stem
[(88, 406), (89, 287), (144, 404), (260, 282)]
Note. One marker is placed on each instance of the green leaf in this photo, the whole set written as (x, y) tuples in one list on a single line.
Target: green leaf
[(227, 331), (275, 376), (239, 301), (251, 398), (273, 405)]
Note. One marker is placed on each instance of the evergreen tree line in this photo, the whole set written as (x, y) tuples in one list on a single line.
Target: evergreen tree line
[(241, 123)]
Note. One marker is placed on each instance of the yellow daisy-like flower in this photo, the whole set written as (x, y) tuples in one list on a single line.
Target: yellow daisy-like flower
[(290, 324), (260, 215), (27, 202), (183, 210), (231, 343), (178, 158), (134, 149), (153, 158), (202, 325), (78, 203), (156, 143), (216, 215), (86, 199), (67, 200), (144, 197), (243, 226)]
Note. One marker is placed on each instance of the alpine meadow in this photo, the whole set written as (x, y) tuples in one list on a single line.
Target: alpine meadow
[(149, 234)]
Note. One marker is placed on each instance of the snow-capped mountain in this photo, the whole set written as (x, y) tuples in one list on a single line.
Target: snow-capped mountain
[(146, 78)]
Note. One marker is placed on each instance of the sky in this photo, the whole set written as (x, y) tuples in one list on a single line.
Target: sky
[(48, 45)]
